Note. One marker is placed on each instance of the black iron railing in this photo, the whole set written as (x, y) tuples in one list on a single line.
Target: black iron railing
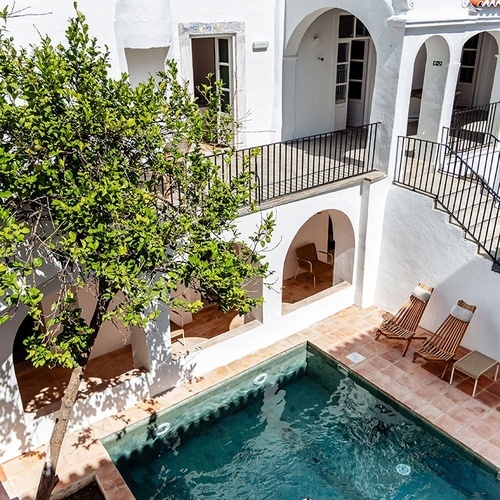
[(477, 120), (436, 170), (290, 167), (285, 168), (480, 151)]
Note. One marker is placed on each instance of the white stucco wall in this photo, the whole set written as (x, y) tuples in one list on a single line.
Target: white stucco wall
[(290, 218), (301, 68), (258, 73), (155, 28), (399, 240), (20, 432), (51, 17), (420, 245), (424, 10)]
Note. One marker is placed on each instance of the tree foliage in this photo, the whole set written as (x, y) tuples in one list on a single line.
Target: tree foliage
[(109, 186)]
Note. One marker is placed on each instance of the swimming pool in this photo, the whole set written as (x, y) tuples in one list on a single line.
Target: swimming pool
[(297, 426)]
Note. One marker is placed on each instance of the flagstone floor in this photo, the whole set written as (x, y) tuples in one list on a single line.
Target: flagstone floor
[(474, 422)]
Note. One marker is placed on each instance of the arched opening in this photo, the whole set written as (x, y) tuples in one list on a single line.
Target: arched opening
[(476, 116), (430, 71), (111, 361), (416, 91), (477, 71), (332, 234), (210, 324), (330, 85)]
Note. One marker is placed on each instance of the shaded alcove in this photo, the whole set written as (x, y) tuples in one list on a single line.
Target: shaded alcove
[(42, 388), (332, 233)]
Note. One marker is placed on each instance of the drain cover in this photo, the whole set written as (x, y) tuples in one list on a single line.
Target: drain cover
[(403, 469), (355, 357)]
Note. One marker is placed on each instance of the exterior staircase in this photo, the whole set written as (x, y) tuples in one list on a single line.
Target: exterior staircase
[(462, 181)]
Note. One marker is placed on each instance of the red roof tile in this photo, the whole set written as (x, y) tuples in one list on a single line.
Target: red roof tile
[(485, 3)]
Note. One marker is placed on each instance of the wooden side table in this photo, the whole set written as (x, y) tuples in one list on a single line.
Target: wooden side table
[(475, 364)]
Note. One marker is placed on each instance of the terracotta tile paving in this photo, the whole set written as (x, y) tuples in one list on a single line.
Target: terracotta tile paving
[(295, 290), (473, 422)]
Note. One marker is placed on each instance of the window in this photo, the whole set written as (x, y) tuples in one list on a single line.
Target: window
[(350, 59), (213, 56), (351, 27), (346, 26), (356, 69), (342, 73), (468, 63)]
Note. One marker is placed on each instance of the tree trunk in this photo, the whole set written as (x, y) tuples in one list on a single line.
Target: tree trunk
[(49, 479)]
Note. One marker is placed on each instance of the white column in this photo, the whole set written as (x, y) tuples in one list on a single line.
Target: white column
[(495, 97), (156, 353), (288, 96), (373, 197)]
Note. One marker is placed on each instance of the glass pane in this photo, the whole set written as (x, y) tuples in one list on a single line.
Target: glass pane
[(342, 73), (226, 101), (223, 50), (358, 49), (343, 52), (356, 71), (340, 93), (466, 75), (355, 90), (346, 26), (361, 29), (224, 75), (471, 43), (469, 57)]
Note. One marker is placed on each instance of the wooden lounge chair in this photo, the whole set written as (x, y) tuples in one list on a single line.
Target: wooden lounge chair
[(307, 260), (443, 345), (403, 324)]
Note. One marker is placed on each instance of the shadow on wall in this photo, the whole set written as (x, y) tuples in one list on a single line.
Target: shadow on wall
[(420, 245), (322, 227), (99, 398), (12, 430), (475, 283)]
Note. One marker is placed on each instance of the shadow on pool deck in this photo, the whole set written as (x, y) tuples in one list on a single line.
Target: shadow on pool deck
[(474, 422)]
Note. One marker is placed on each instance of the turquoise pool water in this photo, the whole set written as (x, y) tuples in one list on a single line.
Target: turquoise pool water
[(297, 427)]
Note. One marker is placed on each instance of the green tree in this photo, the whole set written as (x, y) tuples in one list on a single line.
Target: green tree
[(108, 186)]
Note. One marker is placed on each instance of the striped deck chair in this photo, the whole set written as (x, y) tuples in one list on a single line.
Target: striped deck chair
[(403, 324), (443, 345)]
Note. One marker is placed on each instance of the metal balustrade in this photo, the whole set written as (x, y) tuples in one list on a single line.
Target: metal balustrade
[(436, 170), (290, 167), (481, 152), (477, 120), (285, 168)]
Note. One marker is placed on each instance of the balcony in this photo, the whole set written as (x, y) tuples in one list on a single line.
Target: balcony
[(298, 168), (288, 168)]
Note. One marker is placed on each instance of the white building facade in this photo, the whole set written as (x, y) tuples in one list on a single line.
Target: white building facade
[(295, 69)]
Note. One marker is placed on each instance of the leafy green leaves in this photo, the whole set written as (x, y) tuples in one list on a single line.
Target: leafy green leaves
[(108, 184)]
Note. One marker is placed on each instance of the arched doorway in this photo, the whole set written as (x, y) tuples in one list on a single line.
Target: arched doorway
[(476, 115), (333, 75), (332, 234)]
